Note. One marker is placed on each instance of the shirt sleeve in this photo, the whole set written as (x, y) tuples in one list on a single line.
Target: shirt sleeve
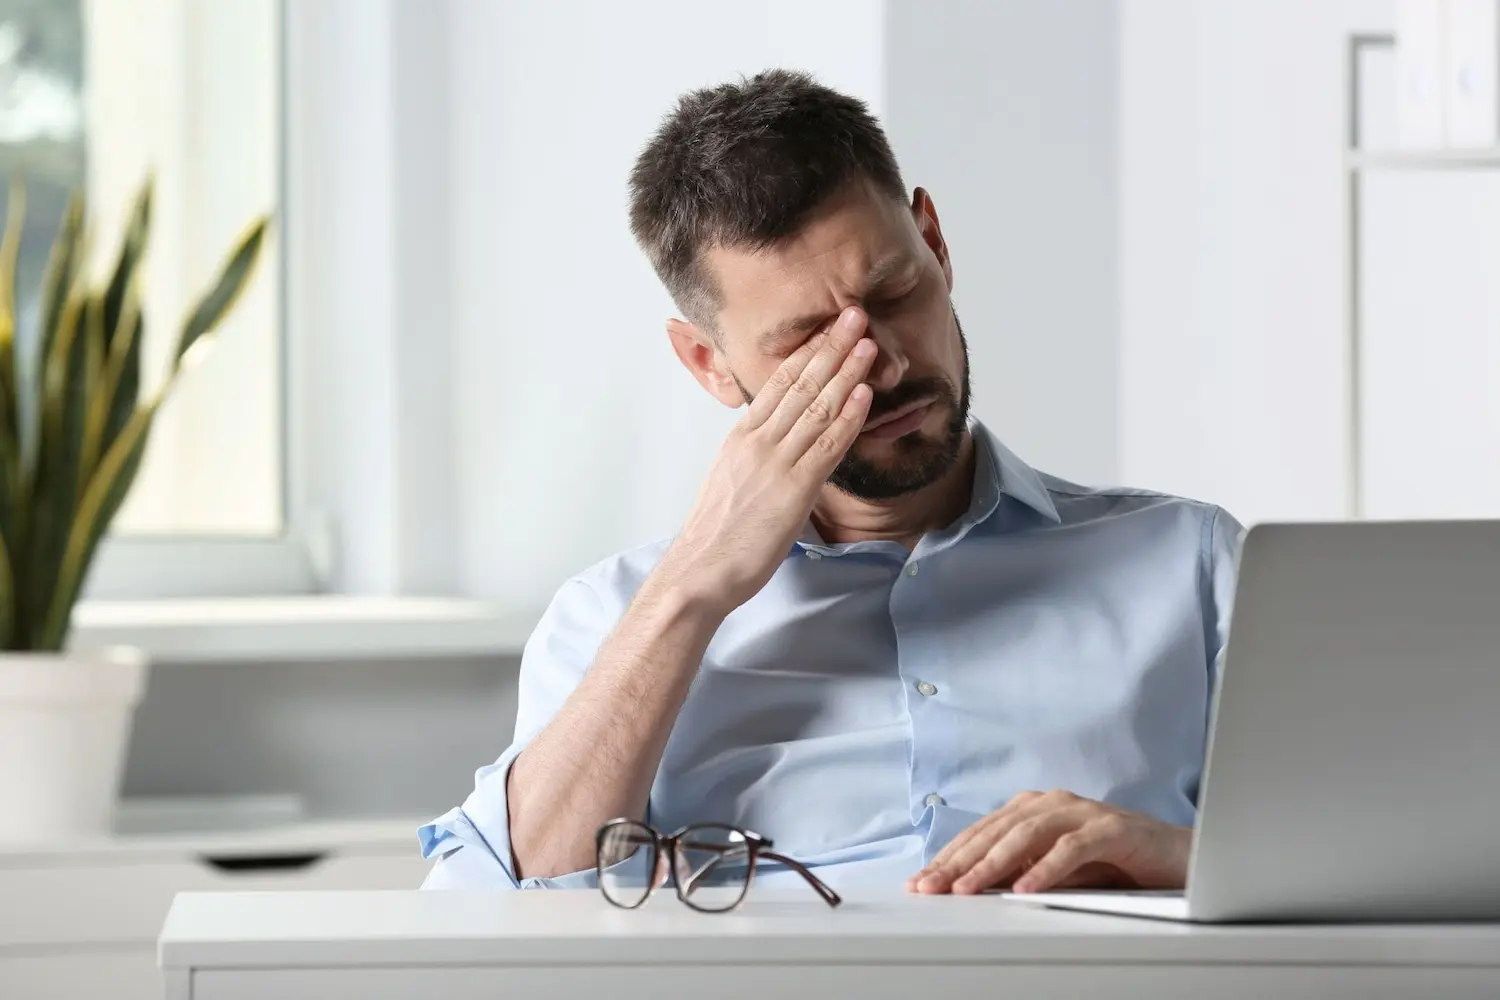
[(471, 842), (1223, 537)]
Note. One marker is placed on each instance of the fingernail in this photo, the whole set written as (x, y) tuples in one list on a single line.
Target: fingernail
[(865, 348), (850, 318)]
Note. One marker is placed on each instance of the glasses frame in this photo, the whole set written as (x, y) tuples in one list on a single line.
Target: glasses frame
[(666, 846)]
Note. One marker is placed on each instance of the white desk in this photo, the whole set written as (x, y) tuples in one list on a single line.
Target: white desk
[(782, 945)]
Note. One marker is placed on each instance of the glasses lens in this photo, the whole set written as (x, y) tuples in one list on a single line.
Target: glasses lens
[(627, 863), (712, 865)]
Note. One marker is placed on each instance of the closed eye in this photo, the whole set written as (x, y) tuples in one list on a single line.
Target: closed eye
[(887, 303)]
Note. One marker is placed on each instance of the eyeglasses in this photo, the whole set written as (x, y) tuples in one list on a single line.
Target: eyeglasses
[(712, 864)]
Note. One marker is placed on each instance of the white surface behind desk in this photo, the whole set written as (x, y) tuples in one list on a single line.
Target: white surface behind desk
[(780, 946)]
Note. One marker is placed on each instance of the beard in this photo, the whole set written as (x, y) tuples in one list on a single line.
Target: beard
[(916, 460)]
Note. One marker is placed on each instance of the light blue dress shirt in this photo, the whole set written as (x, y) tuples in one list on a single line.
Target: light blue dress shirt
[(871, 701)]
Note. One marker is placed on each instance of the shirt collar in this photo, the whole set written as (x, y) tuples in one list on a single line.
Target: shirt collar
[(998, 471)]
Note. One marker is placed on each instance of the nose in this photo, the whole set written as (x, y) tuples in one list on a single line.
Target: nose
[(890, 363)]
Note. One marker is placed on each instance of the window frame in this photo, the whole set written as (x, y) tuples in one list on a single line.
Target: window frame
[(297, 559)]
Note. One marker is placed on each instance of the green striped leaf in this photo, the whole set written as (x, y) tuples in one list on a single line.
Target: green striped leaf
[(120, 383), (80, 402), (233, 277), (132, 249), (10, 403), (62, 269), (101, 500), (54, 487)]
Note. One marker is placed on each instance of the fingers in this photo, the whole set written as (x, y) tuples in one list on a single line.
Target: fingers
[(831, 446), (1015, 850), (944, 877), (1047, 841), (1069, 852), (943, 869), (829, 404), (781, 381), (967, 837), (818, 372)]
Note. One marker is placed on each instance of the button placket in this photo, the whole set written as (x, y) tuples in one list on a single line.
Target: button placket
[(919, 647)]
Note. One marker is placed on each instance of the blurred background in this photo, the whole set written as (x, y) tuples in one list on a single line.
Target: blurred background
[(1200, 246), (453, 378)]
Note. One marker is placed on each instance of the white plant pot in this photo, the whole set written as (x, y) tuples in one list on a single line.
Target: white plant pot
[(65, 722)]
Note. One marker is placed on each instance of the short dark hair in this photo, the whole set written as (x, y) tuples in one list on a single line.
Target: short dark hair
[(743, 165)]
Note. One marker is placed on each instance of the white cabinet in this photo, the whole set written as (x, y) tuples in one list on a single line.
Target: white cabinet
[(82, 920)]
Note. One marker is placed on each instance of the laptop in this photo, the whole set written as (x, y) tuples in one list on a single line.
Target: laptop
[(1353, 766)]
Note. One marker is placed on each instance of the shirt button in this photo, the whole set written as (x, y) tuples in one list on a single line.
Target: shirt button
[(926, 689), (934, 800), (911, 570), (814, 555)]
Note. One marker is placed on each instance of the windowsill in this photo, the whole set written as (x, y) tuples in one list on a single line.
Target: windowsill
[(297, 836), (304, 628)]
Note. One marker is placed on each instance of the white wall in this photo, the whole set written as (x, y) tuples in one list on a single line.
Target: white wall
[(1006, 112), (1233, 359), (578, 433), (1145, 201)]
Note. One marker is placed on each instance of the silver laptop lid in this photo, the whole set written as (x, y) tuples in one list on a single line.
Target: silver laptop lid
[(1354, 759)]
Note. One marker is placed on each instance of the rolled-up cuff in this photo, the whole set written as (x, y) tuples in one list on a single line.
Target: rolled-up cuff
[(480, 831)]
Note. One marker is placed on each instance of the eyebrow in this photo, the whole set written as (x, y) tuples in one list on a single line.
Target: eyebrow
[(879, 274)]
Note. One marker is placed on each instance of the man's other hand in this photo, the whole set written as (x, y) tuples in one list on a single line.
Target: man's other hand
[(1057, 840)]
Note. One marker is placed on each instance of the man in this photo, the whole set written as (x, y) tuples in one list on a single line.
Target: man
[(879, 636)]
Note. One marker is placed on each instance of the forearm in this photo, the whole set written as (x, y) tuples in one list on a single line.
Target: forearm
[(598, 757)]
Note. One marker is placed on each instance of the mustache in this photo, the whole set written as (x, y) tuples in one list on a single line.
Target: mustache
[(909, 392)]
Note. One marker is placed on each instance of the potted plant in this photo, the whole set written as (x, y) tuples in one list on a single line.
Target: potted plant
[(73, 430)]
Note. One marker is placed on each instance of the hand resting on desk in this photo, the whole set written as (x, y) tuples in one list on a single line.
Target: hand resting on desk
[(1046, 841)]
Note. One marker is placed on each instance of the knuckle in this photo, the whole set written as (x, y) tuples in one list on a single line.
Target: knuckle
[(1062, 795), (1027, 828), (781, 379), (826, 445), (805, 385), (1110, 826), (1028, 796), (1069, 843), (819, 411)]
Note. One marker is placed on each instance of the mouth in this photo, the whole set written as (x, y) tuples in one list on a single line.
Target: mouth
[(900, 421)]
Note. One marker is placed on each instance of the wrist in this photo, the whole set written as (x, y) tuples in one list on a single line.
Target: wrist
[(682, 591)]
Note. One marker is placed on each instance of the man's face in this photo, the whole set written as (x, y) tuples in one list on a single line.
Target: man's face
[(863, 249)]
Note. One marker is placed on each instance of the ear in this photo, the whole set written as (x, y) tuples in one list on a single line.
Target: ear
[(925, 214), (699, 355)]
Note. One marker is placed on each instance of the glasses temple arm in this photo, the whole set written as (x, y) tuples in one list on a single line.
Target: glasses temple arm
[(829, 896)]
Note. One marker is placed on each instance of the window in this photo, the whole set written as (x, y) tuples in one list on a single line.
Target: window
[(97, 95)]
